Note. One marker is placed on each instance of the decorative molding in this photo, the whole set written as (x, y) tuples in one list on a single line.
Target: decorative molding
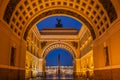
[(11, 67), (54, 46), (58, 45), (108, 67)]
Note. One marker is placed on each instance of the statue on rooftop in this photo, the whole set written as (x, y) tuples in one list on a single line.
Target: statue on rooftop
[(58, 25), (58, 20)]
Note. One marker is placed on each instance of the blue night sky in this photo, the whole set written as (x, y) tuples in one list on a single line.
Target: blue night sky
[(67, 22), (65, 58), (50, 22)]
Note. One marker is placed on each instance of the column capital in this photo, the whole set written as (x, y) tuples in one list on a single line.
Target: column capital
[(41, 59)]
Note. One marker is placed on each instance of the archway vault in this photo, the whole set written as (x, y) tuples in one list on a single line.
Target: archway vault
[(23, 14), (61, 45)]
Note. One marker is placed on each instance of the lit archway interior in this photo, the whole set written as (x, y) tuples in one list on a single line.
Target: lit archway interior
[(95, 49)]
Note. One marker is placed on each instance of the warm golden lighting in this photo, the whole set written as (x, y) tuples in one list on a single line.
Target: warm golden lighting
[(95, 47)]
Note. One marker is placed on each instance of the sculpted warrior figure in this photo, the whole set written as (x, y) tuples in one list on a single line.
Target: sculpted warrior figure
[(59, 21)]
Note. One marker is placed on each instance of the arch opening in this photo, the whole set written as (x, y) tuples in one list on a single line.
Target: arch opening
[(59, 12), (59, 59), (66, 21), (64, 57), (56, 45)]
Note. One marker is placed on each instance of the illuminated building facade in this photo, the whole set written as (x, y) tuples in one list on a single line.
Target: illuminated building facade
[(95, 48)]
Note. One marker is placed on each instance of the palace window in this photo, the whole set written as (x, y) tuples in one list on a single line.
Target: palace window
[(12, 57), (107, 56)]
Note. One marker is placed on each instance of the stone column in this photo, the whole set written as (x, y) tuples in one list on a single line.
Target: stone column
[(41, 67), (76, 67)]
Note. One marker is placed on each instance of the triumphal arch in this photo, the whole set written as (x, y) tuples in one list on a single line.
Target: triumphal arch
[(95, 48), (58, 37)]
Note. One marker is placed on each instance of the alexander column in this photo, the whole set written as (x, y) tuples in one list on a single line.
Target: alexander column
[(59, 65)]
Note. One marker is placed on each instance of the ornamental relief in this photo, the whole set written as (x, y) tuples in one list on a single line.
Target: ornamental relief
[(58, 45)]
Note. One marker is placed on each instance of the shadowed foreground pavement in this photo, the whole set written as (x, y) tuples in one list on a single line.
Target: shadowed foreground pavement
[(59, 77)]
